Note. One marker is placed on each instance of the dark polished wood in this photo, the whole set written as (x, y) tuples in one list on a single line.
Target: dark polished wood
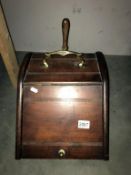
[(72, 152), (65, 31), (47, 118), (105, 77), (21, 76)]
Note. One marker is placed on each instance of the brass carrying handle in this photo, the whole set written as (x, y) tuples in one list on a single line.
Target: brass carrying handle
[(64, 51), (65, 32)]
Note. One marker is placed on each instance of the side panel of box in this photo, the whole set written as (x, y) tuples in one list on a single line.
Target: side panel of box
[(22, 73), (106, 95)]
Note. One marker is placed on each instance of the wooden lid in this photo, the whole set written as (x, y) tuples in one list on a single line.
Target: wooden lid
[(63, 69)]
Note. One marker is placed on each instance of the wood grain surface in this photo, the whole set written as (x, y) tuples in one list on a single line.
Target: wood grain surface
[(64, 94)]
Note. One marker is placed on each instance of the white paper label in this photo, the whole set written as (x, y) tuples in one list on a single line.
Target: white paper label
[(33, 89), (84, 124)]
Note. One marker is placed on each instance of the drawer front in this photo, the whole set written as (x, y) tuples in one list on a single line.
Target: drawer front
[(52, 121), (63, 152)]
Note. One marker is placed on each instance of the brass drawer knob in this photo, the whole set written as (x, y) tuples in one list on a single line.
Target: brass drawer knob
[(61, 152)]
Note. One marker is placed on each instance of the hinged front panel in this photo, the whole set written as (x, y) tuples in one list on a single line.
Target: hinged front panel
[(62, 117)]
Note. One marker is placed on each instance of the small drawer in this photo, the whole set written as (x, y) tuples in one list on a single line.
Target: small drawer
[(62, 152)]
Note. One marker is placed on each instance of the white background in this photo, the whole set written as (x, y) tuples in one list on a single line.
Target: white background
[(105, 25)]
